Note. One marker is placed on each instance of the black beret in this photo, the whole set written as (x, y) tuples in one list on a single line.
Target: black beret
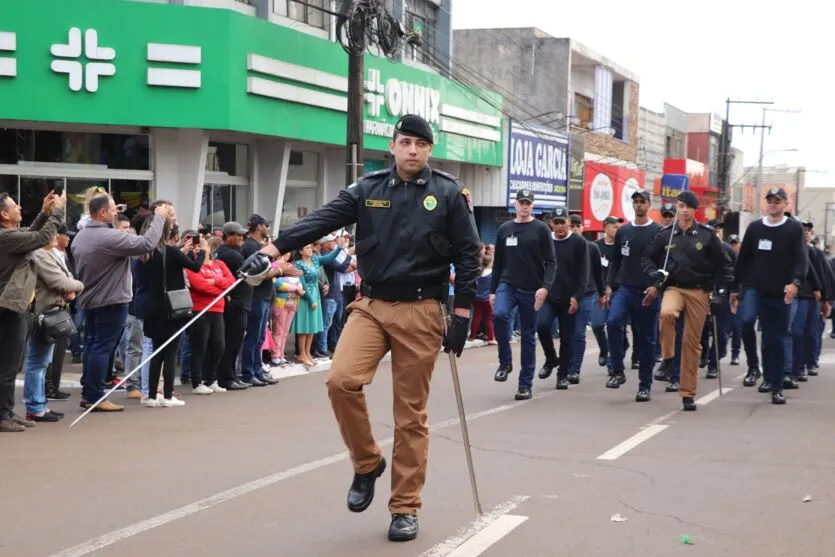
[(689, 198), (415, 126)]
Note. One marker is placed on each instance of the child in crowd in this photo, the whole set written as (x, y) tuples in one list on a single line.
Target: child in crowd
[(483, 310), (287, 292)]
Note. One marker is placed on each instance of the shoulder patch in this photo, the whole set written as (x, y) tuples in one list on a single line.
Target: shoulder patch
[(446, 175), (468, 196)]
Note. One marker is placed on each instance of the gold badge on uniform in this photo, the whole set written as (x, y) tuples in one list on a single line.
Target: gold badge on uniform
[(378, 203), (430, 203), (699, 245)]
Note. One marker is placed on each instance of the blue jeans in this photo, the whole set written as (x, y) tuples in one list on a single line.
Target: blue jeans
[(626, 303), (599, 316), (773, 314), (38, 356), (328, 311), (736, 335), (147, 350), (76, 343), (509, 298), (788, 342), (338, 323), (122, 347), (722, 319), (103, 331), (581, 321), (184, 357), (747, 315), (550, 313), (134, 334), (818, 326), (803, 334), (256, 325)]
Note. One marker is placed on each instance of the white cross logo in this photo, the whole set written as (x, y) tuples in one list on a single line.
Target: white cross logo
[(89, 72), (375, 97)]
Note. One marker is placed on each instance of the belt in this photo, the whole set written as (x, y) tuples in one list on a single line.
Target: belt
[(408, 292)]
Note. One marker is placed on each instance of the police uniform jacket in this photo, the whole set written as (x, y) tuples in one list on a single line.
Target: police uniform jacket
[(407, 235), (697, 258)]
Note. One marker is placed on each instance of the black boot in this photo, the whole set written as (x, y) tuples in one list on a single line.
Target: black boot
[(751, 377), (778, 398), (765, 387), (362, 488), (712, 373), (562, 383), (404, 527), (602, 360), (546, 370), (687, 404), (734, 360), (664, 372), (502, 372), (803, 376), (524, 393), (789, 382), (703, 360), (642, 396), (616, 379)]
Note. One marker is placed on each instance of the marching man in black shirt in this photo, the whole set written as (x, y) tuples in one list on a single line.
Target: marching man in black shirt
[(687, 258), (564, 297), (600, 312), (523, 270), (771, 265), (631, 298), (412, 223)]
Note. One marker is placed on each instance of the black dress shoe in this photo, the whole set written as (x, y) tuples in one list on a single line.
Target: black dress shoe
[(712, 373), (790, 382), (403, 528), (765, 387), (802, 376), (46, 417), (778, 398), (254, 382), (269, 380), (362, 488), (502, 372), (664, 372), (734, 360), (617, 379), (523, 393), (236, 386), (703, 360), (672, 387), (642, 396), (751, 377), (636, 365), (562, 383), (546, 371), (688, 405), (813, 371), (574, 378), (602, 360), (57, 395)]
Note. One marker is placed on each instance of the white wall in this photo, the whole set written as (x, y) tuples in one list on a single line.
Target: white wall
[(179, 162)]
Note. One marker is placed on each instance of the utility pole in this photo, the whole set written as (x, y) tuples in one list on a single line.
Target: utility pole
[(356, 73), (762, 142), (725, 152)]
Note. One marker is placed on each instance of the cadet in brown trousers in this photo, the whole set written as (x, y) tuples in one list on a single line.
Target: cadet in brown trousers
[(412, 223), (696, 265)]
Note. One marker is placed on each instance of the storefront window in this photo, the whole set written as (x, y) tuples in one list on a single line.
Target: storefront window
[(230, 158), (221, 204), (115, 151), (298, 203)]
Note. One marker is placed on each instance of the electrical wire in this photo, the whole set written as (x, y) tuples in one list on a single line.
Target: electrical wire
[(365, 24)]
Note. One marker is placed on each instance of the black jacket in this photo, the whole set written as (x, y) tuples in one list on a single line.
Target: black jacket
[(697, 258), (407, 235)]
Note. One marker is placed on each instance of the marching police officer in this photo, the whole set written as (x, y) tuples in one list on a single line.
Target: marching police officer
[(412, 222), (697, 264)]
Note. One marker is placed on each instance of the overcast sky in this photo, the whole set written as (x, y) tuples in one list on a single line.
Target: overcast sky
[(780, 53)]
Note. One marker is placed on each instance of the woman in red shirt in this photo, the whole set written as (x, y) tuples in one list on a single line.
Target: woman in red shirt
[(208, 334)]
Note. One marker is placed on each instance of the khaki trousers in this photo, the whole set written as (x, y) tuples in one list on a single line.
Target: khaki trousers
[(413, 331), (695, 304)]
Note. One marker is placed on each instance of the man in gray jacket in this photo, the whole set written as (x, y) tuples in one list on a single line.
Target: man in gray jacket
[(17, 290), (102, 263)]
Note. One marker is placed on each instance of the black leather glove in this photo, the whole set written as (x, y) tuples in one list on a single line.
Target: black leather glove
[(661, 277), (718, 300), (255, 264), (456, 335)]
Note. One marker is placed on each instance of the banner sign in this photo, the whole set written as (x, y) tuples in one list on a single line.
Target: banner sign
[(538, 162), (674, 184)]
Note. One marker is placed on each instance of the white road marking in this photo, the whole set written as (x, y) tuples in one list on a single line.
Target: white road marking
[(479, 543), (452, 545), (647, 433), (710, 397)]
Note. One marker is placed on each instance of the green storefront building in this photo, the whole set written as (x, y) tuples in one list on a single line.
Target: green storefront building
[(224, 113)]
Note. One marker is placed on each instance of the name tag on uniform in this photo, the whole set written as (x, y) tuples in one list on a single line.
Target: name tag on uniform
[(512, 241), (764, 245), (378, 203), (604, 261), (624, 251)]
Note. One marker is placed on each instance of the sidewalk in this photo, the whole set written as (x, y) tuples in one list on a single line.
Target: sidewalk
[(72, 379)]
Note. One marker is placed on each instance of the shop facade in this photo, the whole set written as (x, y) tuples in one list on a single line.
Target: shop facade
[(220, 112)]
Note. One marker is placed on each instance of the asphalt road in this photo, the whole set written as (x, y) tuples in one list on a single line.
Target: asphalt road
[(264, 473)]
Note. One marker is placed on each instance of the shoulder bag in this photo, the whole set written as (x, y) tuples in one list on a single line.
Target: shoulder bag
[(54, 325), (179, 301)]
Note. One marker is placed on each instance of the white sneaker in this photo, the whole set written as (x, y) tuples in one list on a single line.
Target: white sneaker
[(150, 402), (267, 368), (203, 390), (277, 361), (171, 402), (217, 388)]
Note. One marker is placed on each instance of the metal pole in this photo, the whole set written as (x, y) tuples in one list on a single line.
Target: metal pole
[(155, 352), (762, 154), (715, 320), (462, 417)]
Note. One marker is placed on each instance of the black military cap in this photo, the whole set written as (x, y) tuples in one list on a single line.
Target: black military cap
[(415, 126), (560, 213), (777, 192), (524, 195), (689, 198), (668, 209), (642, 193), (612, 220), (733, 239), (575, 219)]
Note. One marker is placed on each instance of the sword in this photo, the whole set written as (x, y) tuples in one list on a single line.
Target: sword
[(462, 417), (155, 352), (716, 349)]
